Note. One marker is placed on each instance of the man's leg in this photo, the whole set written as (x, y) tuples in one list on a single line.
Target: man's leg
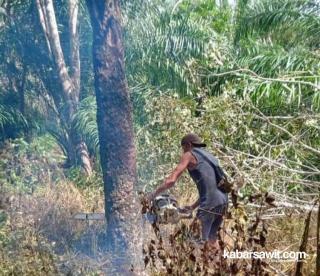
[(213, 234), (206, 220)]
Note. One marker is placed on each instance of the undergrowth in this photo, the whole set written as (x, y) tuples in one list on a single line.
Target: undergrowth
[(39, 235)]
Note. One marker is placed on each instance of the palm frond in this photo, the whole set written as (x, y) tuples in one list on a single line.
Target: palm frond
[(86, 123), (12, 118), (293, 21), (159, 53), (264, 57), (6, 117)]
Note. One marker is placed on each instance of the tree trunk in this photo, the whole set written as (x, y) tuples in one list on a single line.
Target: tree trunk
[(70, 82), (17, 83), (22, 91), (114, 119)]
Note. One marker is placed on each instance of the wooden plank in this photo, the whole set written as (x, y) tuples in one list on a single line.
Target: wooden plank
[(89, 216)]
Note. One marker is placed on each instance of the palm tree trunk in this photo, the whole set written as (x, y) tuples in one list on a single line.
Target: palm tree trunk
[(114, 119), (70, 81)]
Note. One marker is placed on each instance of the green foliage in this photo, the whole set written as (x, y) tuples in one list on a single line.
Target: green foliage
[(85, 122), (235, 128), (276, 40), (160, 55), (22, 250), (26, 165), (218, 17), (245, 80), (22, 57), (177, 47), (10, 118), (75, 175), (290, 22)]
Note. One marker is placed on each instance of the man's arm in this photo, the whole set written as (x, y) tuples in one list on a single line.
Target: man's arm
[(171, 180)]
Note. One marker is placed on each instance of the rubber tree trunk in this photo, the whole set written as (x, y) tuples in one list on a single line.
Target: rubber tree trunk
[(114, 119)]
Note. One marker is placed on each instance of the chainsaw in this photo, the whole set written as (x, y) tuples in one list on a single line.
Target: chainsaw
[(165, 210)]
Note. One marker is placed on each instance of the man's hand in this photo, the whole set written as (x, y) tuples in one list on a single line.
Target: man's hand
[(190, 208)]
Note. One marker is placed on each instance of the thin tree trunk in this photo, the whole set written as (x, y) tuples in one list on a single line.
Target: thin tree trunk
[(114, 118), (22, 91), (70, 82), (43, 23), (67, 86), (74, 45), (318, 239), (17, 83)]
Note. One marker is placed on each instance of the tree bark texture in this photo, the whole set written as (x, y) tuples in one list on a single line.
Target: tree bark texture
[(115, 126)]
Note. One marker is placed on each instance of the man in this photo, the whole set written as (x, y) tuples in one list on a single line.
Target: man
[(212, 202)]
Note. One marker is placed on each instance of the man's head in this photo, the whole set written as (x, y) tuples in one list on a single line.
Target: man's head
[(190, 141)]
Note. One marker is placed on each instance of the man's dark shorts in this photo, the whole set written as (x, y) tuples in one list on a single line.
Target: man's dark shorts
[(211, 221)]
